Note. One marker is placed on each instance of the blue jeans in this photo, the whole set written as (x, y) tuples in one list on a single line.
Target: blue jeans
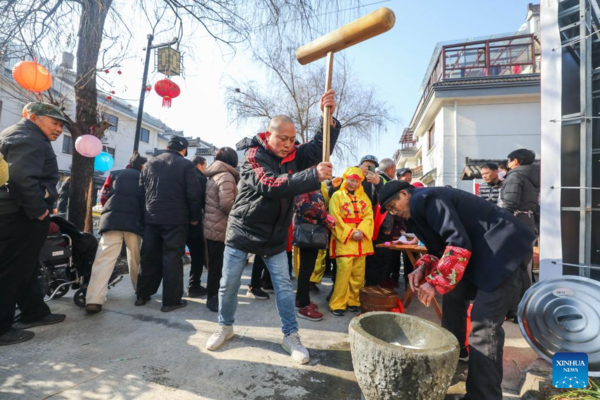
[(234, 261)]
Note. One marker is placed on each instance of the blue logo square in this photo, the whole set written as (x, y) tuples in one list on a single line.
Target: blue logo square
[(570, 370)]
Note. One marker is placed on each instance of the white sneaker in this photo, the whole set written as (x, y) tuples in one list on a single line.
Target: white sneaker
[(293, 345), (223, 334)]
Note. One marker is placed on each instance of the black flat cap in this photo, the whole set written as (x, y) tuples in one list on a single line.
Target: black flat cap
[(178, 143), (389, 191)]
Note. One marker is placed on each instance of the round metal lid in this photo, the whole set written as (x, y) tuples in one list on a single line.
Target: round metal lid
[(563, 315)]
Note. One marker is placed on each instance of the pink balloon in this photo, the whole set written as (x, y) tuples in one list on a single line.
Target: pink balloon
[(88, 145)]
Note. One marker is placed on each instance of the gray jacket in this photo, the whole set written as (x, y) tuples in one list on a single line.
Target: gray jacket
[(33, 170)]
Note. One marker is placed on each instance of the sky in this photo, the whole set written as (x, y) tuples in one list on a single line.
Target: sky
[(394, 63)]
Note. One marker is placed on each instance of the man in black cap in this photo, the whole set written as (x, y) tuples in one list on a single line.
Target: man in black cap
[(475, 251), (172, 195), (25, 202), (404, 174), (372, 182)]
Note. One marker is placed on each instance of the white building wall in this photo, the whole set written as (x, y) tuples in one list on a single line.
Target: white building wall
[(434, 158), (485, 131)]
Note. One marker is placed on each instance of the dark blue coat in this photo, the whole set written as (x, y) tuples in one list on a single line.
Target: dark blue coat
[(123, 211), (499, 241)]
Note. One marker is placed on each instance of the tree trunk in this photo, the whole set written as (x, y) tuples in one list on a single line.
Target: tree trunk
[(91, 26)]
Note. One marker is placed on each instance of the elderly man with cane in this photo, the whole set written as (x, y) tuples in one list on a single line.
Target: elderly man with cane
[(475, 252)]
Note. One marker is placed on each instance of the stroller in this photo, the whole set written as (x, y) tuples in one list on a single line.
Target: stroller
[(66, 261)]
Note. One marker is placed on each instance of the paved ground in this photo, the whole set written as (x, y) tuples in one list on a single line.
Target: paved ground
[(129, 352)]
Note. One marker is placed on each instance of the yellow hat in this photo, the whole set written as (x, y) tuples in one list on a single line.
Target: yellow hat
[(353, 173)]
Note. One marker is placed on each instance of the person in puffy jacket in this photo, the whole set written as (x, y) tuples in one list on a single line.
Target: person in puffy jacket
[(25, 202), (351, 241), (121, 221), (221, 191), (171, 193), (276, 168), (520, 194)]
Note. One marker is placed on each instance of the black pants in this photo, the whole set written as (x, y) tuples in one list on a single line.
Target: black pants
[(195, 242), (486, 341), (161, 259), (308, 258), (378, 266), (215, 266), (395, 264), (258, 268), (21, 241)]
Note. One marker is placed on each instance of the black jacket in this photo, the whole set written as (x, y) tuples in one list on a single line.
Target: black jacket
[(170, 190), (123, 211), (521, 192), (499, 242), (33, 170), (372, 190), (197, 231), (262, 212)]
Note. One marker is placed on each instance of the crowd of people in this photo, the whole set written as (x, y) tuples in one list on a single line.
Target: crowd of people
[(282, 199)]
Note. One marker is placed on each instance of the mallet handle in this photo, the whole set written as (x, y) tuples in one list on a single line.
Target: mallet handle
[(327, 113)]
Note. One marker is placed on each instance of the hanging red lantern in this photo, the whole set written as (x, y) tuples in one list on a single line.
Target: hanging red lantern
[(112, 92), (119, 72), (32, 76), (148, 88), (168, 90), (109, 98), (106, 71)]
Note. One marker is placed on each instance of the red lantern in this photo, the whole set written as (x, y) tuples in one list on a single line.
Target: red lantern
[(32, 76), (119, 72), (168, 90), (109, 98), (106, 71), (148, 88), (112, 92)]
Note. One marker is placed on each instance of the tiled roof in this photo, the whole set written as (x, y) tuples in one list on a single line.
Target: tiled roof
[(489, 80), (202, 151)]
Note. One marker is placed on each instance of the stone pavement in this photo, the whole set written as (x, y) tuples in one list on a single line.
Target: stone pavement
[(129, 352)]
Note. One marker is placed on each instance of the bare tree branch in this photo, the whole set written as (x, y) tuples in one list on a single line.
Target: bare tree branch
[(297, 92)]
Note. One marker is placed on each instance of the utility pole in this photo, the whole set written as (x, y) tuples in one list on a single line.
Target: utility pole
[(138, 125)]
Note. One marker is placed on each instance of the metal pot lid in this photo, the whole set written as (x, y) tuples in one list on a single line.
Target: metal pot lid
[(563, 315)]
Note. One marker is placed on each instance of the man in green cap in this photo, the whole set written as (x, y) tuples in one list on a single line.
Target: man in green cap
[(25, 202)]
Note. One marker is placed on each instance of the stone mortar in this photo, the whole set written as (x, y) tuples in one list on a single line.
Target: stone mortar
[(419, 366)]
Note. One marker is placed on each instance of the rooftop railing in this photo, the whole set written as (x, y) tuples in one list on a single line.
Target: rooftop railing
[(512, 55)]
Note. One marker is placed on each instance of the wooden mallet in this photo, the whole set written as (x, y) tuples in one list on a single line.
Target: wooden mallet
[(364, 28)]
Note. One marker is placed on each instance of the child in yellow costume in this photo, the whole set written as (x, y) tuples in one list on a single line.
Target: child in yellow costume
[(351, 240)]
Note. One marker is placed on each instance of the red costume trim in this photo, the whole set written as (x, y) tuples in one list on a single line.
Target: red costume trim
[(353, 255), (350, 234)]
